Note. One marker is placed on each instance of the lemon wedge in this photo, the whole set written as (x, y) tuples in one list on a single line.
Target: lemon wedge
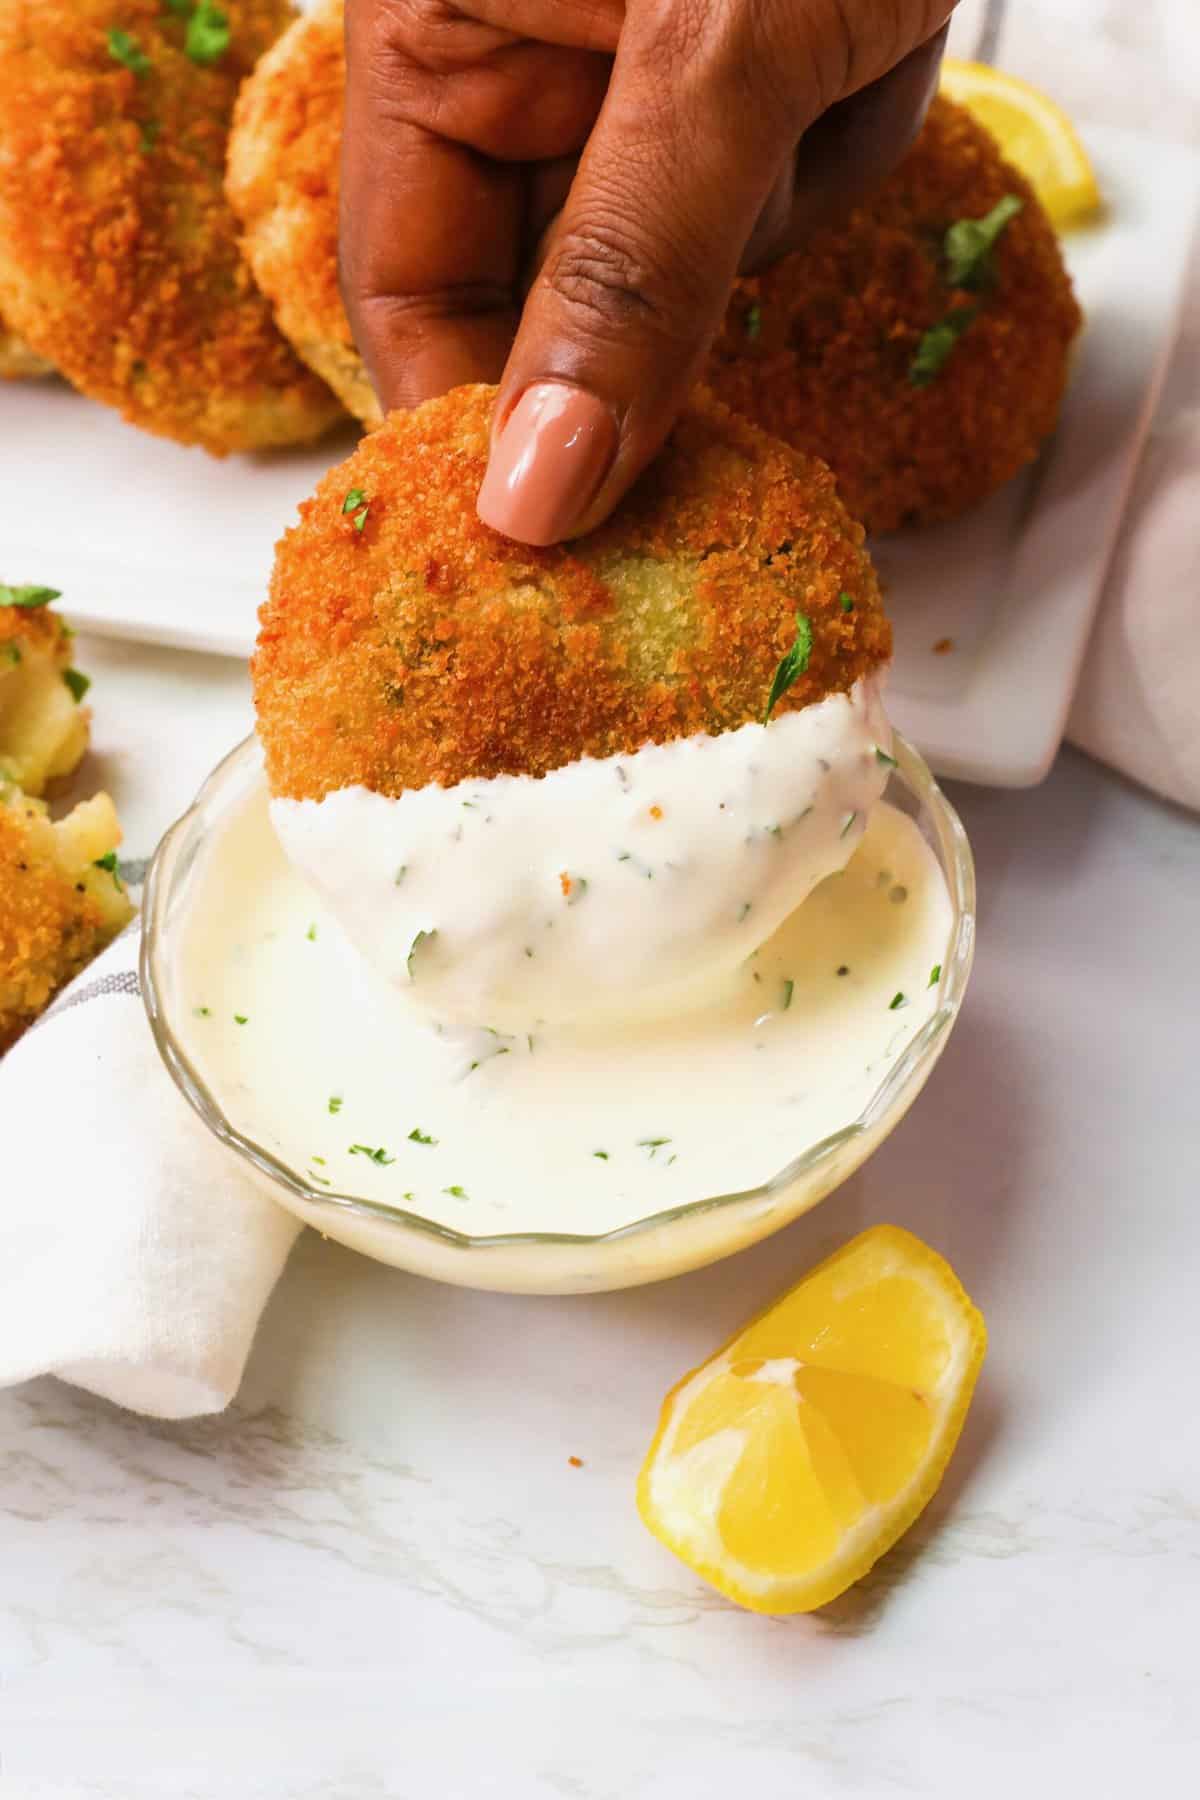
[(1034, 134), (789, 1462)]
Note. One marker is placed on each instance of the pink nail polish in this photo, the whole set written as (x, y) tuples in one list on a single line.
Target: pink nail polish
[(555, 449)]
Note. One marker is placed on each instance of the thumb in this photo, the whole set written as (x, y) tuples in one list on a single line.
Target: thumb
[(637, 273)]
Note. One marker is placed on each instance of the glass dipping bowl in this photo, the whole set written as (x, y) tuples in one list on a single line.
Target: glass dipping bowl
[(649, 1249)]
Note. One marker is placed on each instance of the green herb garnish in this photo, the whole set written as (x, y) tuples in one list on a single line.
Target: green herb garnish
[(753, 322), (789, 988), (311, 934), (896, 1001), (28, 597), (318, 1159), (935, 975), (653, 1145), (417, 1136), (380, 1156), (149, 135), (934, 348), (845, 602), (889, 762), (745, 911), (335, 1103), (968, 244), (108, 862), (323, 1179), (849, 822), (241, 1019), (793, 665), (401, 872), (458, 1193), (356, 502), (126, 50), (77, 682), (12, 653), (602, 1154), (207, 37), (202, 1012)]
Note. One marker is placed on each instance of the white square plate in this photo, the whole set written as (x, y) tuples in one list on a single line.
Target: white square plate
[(154, 542)]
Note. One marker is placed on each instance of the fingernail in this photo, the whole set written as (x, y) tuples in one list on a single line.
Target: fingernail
[(546, 464)]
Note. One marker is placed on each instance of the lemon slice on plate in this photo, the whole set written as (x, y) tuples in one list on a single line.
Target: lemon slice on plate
[(1034, 134), (795, 1456)]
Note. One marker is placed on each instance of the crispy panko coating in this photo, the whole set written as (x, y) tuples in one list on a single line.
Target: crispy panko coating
[(819, 349), (404, 642), (119, 259), (43, 727), (60, 901), (282, 181), (17, 360)]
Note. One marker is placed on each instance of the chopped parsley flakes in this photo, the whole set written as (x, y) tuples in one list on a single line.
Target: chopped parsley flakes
[(968, 244), (458, 1193), (653, 1145), (889, 762), (125, 49), (849, 823), (27, 596), (356, 502), (207, 37), (897, 1001), (241, 1018), (753, 322), (379, 1156), (602, 1155), (933, 351), (845, 602), (77, 682), (789, 988), (335, 1103), (416, 1136), (311, 934), (791, 666), (935, 975)]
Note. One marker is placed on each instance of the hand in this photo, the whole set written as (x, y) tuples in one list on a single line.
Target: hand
[(612, 163)]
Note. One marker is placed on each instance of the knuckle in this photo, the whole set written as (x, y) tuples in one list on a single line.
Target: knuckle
[(598, 271)]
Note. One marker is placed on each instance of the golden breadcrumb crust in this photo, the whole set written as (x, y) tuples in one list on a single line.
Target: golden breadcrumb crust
[(17, 360), (58, 905), (282, 181), (425, 647), (818, 348), (119, 260)]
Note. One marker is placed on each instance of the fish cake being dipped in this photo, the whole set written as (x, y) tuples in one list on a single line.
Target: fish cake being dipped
[(592, 778), (922, 346), (119, 260)]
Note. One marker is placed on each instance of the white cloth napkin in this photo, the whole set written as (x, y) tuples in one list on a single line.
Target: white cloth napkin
[(1137, 706), (134, 1259)]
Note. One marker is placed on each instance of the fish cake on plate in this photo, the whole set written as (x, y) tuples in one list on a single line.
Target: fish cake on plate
[(119, 260)]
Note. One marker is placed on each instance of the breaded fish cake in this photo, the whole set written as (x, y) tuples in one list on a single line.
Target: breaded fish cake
[(17, 360), (43, 723), (61, 900), (118, 251), (405, 642), (282, 182), (924, 375)]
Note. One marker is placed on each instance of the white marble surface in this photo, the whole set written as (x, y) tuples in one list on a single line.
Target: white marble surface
[(378, 1574)]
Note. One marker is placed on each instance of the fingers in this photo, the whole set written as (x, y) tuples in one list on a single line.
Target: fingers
[(441, 110), (639, 266), (851, 150)]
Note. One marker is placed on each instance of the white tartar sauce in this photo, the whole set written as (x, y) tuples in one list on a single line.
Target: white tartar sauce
[(567, 1127), (613, 887)]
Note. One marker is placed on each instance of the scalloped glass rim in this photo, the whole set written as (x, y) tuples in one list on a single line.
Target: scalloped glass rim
[(885, 1108)]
